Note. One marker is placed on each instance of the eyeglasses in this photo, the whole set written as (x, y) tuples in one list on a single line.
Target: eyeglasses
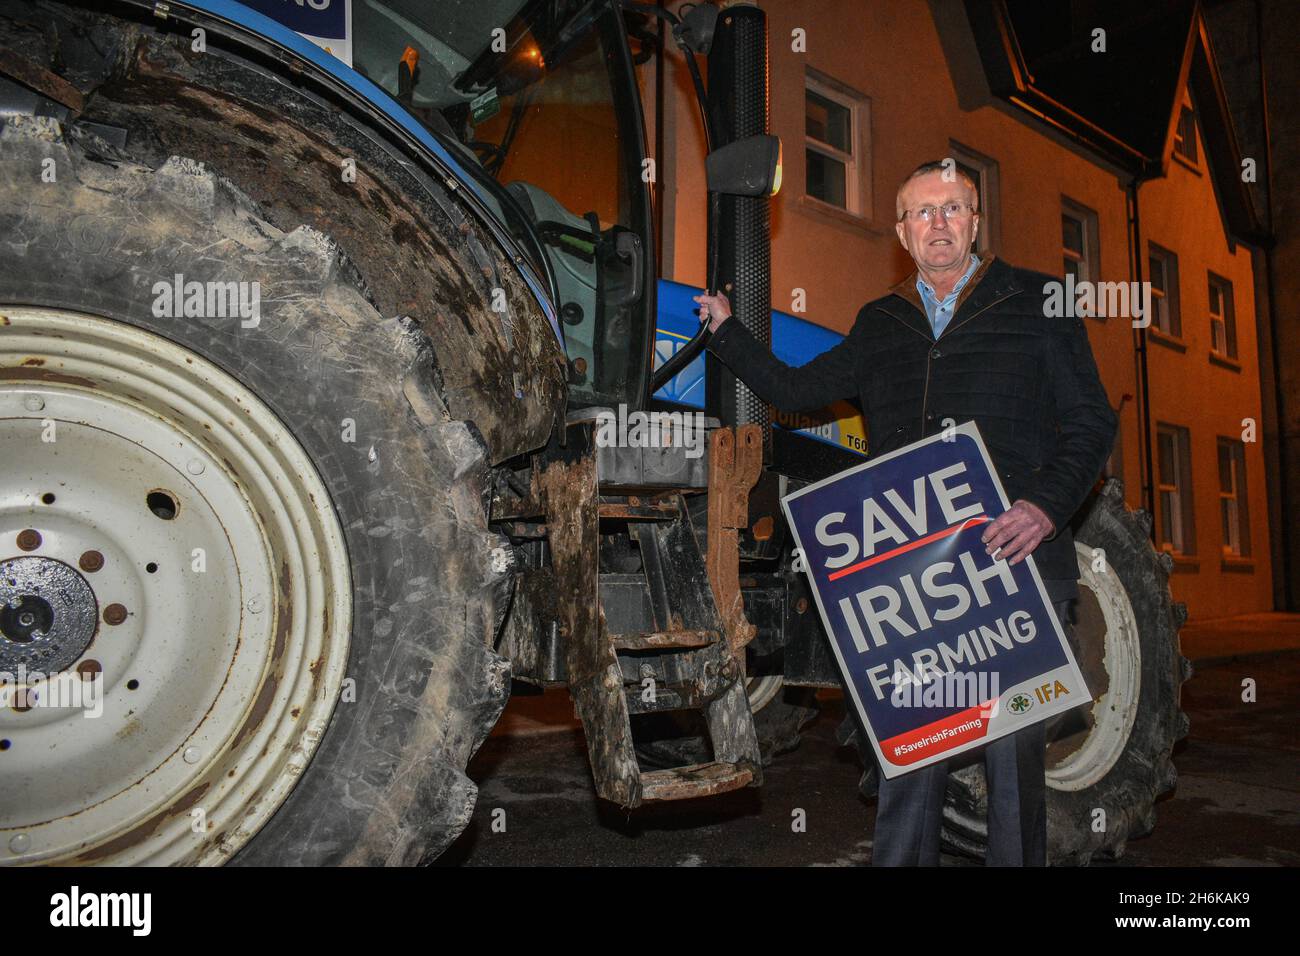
[(950, 210)]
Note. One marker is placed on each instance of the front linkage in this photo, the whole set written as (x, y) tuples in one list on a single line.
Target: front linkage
[(652, 629)]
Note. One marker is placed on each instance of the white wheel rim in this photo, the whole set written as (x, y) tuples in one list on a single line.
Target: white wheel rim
[(762, 689), (1115, 712), (219, 683)]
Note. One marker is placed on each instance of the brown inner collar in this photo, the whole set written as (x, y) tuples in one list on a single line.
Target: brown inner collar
[(907, 288)]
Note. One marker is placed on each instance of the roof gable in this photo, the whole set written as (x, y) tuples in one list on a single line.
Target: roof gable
[(1122, 103)]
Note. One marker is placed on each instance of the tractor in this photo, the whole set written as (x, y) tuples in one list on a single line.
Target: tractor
[(314, 316)]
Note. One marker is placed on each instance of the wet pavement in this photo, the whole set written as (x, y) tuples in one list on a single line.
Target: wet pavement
[(1237, 801)]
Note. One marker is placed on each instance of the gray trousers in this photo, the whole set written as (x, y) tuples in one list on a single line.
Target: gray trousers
[(909, 809)]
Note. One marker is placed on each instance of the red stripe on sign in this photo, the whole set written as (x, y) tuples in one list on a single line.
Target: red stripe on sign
[(938, 737), (908, 547)]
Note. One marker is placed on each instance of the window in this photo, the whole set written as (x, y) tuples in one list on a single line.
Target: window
[(1080, 246), (835, 121), (1174, 487), (545, 91), (1164, 290), (1232, 498), (1079, 240), (984, 171), (1223, 320), (1185, 135)]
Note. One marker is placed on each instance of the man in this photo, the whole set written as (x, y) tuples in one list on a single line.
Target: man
[(963, 338)]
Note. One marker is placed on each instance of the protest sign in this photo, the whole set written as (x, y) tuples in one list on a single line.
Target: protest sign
[(941, 647)]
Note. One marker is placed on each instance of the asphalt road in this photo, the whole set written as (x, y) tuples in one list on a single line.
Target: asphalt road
[(1237, 801)]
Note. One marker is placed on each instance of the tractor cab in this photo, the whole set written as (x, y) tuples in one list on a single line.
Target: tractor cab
[(542, 95)]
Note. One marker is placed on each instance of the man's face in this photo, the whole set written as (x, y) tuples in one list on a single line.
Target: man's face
[(940, 243)]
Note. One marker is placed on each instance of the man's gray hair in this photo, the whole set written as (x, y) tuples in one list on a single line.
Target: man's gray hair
[(948, 165)]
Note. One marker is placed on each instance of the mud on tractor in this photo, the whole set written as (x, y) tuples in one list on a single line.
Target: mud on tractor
[(302, 370)]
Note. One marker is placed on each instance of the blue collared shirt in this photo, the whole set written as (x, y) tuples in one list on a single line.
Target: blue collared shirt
[(940, 313)]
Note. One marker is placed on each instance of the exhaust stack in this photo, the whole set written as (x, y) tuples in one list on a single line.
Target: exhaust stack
[(738, 100)]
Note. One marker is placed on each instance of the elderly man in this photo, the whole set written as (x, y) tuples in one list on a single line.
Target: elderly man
[(963, 338)]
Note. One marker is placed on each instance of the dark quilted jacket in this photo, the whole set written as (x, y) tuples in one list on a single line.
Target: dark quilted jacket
[(1027, 380)]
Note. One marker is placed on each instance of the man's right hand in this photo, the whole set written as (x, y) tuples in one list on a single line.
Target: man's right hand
[(714, 309)]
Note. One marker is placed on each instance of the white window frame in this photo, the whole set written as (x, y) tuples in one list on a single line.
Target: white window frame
[(1227, 320), (1185, 147), (1233, 500), (1179, 536), (1166, 301), (987, 179), (857, 198), (1090, 257)]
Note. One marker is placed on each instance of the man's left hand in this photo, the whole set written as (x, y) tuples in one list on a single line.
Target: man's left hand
[(1015, 533)]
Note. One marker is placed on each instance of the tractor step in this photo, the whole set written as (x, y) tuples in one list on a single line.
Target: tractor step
[(632, 508), (646, 630), (696, 780), (658, 640)]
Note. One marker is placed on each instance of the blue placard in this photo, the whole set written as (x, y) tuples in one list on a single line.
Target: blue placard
[(317, 18), (941, 647)]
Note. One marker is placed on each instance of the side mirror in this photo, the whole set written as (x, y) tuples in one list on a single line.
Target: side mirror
[(747, 167)]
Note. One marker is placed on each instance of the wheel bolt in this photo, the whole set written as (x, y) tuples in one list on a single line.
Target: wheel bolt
[(29, 540), (89, 669), (91, 561), (114, 614)]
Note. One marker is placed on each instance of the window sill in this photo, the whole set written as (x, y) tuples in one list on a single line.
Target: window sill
[(1165, 339), (815, 208), (1222, 360), (1186, 163), (1237, 565)]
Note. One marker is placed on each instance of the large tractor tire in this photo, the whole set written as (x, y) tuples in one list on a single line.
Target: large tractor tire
[(252, 530), (1107, 764), (780, 722)]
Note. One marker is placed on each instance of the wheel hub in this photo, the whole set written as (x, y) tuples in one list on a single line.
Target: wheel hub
[(48, 615)]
